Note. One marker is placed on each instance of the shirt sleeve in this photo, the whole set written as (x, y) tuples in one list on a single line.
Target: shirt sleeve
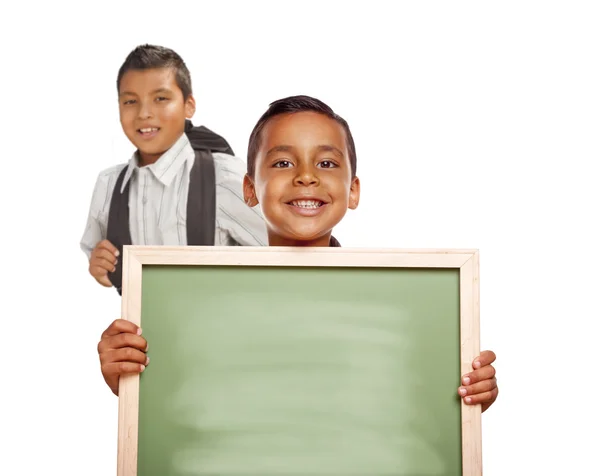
[(240, 224), (95, 228)]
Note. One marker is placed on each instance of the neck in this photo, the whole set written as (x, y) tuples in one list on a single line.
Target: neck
[(275, 240), (147, 159)]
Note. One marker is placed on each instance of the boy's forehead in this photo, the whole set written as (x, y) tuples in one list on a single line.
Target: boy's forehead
[(303, 129), (136, 81)]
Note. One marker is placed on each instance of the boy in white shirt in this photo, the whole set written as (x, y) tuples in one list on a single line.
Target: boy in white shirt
[(182, 186)]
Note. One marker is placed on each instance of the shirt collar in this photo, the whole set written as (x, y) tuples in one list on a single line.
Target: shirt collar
[(167, 166)]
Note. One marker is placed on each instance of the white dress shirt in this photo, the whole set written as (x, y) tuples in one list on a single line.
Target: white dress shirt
[(158, 202)]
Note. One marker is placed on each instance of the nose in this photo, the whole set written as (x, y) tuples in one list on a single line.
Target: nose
[(145, 110), (306, 177)]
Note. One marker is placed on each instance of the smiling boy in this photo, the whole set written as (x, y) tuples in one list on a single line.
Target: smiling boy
[(182, 185), (301, 171)]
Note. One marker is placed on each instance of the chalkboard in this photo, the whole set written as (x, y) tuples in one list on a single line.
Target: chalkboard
[(288, 361)]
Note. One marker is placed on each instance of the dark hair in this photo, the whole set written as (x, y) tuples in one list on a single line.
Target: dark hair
[(292, 105), (152, 56)]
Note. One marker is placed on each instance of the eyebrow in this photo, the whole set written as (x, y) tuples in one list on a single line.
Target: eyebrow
[(321, 148), (280, 148), (159, 90), (331, 148)]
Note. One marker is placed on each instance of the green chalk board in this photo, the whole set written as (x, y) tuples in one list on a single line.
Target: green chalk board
[(285, 363)]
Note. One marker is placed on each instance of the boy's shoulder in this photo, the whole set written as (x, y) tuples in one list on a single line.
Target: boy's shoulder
[(107, 178), (228, 167), (112, 171)]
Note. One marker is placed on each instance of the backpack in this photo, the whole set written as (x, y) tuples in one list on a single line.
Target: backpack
[(201, 202)]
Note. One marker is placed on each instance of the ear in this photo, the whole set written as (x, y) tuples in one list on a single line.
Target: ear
[(249, 192), (354, 194), (190, 107)]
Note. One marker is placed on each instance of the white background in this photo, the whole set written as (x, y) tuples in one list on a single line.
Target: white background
[(476, 124)]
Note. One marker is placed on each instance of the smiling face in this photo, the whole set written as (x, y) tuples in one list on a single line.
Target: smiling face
[(153, 111), (302, 180)]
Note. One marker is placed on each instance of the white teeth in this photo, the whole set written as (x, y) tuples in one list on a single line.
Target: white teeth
[(149, 129), (307, 203)]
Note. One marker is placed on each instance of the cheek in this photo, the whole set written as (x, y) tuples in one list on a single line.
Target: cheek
[(126, 116), (340, 188), (264, 193), (173, 112), (270, 189), (128, 125)]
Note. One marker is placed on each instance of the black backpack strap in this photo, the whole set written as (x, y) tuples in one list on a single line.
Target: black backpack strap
[(202, 138), (201, 203), (201, 206), (117, 230), (333, 242)]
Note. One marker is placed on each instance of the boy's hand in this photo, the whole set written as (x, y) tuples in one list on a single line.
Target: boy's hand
[(103, 261), (122, 350), (480, 385)]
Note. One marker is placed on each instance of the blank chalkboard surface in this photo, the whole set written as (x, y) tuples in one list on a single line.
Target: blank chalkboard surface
[(282, 361)]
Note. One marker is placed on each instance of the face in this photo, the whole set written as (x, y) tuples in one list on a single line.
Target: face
[(303, 181), (153, 111)]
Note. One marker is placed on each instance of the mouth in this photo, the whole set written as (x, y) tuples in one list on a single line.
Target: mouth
[(148, 132), (307, 207), (308, 204)]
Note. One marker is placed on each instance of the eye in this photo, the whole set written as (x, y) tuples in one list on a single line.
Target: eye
[(327, 164), (282, 164), (129, 102), (162, 98)]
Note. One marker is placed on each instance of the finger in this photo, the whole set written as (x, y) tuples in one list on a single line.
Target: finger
[(121, 368), (487, 357), (479, 387), (122, 340), (104, 254), (107, 245), (485, 406), (479, 375), (125, 354), (485, 398), (100, 267), (104, 281), (121, 325), (112, 382)]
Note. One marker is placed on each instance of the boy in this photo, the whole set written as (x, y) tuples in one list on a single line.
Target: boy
[(302, 173), (182, 186)]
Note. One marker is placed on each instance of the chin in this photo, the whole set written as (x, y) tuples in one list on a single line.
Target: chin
[(154, 151), (307, 236)]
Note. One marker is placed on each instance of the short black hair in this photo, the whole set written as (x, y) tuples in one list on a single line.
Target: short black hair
[(152, 56), (292, 105)]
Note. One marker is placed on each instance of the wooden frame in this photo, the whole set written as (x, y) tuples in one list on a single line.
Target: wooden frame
[(467, 261)]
